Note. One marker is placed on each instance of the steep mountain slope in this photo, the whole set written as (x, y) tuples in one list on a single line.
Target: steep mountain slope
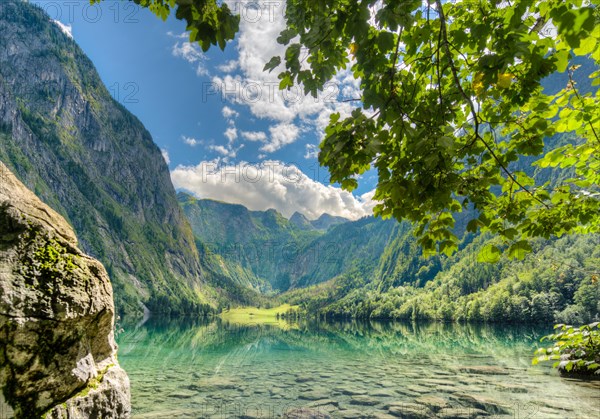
[(358, 245), (300, 221), (263, 251), (91, 160), (254, 248)]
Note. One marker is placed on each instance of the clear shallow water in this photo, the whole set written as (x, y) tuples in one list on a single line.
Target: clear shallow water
[(186, 369)]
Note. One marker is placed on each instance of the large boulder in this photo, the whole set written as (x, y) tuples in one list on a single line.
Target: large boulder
[(57, 353)]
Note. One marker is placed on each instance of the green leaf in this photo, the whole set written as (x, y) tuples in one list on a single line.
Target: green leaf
[(349, 184), (562, 60), (489, 254), (510, 233), (286, 81), (272, 64), (519, 250), (587, 45)]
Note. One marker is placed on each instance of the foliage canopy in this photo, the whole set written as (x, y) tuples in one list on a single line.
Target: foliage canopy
[(451, 101), (574, 349)]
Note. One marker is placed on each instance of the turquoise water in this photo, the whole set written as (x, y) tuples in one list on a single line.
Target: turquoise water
[(187, 369)]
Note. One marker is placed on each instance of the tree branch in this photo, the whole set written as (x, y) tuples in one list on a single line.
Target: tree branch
[(572, 84), (472, 106)]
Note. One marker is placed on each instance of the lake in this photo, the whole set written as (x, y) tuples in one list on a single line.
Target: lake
[(181, 368)]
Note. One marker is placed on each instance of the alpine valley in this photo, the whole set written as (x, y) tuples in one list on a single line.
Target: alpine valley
[(225, 307), (91, 160)]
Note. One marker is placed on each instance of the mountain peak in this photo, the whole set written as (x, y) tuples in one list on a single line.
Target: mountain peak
[(327, 220), (300, 221), (324, 221)]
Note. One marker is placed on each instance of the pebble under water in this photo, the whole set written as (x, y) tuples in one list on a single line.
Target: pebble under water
[(213, 369)]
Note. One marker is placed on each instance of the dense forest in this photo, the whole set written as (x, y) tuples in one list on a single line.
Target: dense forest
[(556, 282)]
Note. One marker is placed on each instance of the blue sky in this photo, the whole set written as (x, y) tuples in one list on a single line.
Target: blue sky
[(226, 130)]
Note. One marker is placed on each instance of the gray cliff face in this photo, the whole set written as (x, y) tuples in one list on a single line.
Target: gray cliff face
[(58, 353), (92, 161)]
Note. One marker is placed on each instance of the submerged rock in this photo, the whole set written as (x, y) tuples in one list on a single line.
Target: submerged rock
[(56, 316), (305, 413), (350, 414), (461, 413), (364, 400), (433, 402), (410, 411), (484, 370), (314, 395), (215, 383), (350, 391), (487, 404)]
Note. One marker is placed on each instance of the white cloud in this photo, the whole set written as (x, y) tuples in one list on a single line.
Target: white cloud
[(192, 53), (191, 141), (228, 152), (67, 29), (281, 135), (271, 184), (254, 136), (229, 113), (188, 51), (219, 149), (259, 90), (183, 35), (231, 134), (312, 151), (165, 155), (222, 150), (229, 66), (367, 201)]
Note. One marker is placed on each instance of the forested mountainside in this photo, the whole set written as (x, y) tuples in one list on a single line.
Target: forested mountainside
[(374, 268), (91, 160), (249, 245), (557, 282), (264, 251)]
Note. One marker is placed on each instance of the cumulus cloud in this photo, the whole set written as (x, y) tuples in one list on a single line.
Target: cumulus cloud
[(229, 113), (67, 29), (226, 151), (254, 136), (231, 134), (367, 201), (190, 141), (281, 135), (191, 53), (271, 184), (219, 149), (229, 66), (259, 90)]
